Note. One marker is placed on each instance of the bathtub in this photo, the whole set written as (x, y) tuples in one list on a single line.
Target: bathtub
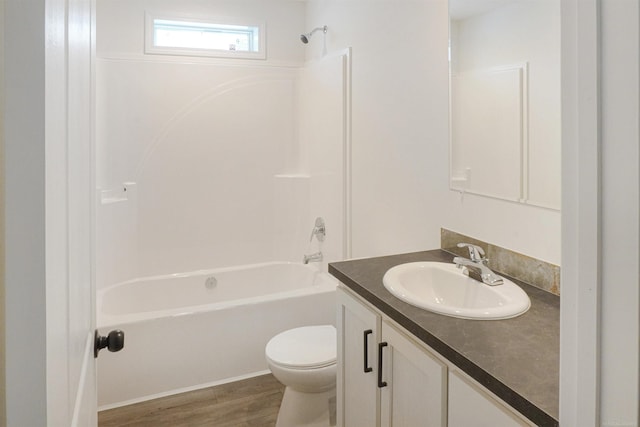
[(193, 330)]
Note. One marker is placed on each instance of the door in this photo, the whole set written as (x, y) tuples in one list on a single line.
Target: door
[(70, 365), (69, 188), (357, 391), (413, 383), (82, 390)]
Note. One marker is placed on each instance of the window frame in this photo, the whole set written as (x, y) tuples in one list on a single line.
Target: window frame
[(152, 49)]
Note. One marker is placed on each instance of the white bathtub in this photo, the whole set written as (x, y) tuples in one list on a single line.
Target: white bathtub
[(194, 330)]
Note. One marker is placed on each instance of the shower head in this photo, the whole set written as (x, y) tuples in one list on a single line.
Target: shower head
[(305, 37)]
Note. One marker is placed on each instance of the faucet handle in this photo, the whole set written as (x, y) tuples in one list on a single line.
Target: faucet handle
[(319, 230), (476, 253)]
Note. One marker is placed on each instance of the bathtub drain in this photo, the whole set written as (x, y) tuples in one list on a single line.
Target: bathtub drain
[(211, 282)]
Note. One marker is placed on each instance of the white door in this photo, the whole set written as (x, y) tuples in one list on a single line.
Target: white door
[(80, 201), (357, 388), (71, 367), (50, 315), (413, 383)]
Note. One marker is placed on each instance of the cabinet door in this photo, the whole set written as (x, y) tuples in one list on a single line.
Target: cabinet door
[(357, 392), (415, 391), (469, 406)]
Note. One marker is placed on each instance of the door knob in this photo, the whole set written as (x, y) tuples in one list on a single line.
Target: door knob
[(113, 342)]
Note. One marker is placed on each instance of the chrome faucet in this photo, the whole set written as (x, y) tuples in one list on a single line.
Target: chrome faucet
[(476, 265), (317, 257)]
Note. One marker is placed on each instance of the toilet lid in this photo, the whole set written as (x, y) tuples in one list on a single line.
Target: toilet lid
[(304, 348)]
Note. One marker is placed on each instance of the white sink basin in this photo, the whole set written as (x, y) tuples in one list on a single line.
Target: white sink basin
[(443, 288)]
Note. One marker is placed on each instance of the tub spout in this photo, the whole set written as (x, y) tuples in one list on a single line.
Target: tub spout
[(317, 257)]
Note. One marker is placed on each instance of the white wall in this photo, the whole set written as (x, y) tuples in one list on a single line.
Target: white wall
[(2, 317), (24, 279), (529, 230), (601, 190), (620, 213), (399, 123)]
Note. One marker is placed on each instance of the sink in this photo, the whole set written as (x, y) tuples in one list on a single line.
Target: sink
[(445, 289)]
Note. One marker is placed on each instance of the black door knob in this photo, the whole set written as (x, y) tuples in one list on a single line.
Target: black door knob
[(113, 342)]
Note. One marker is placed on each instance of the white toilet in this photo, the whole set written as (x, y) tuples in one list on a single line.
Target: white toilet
[(304, 360)]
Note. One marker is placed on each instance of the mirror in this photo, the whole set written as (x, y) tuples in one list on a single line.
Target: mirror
[(505, 125)]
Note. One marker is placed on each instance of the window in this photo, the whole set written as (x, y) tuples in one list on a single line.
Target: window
[(177, 36)]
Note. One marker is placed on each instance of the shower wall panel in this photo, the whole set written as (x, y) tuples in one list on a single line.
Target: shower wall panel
[(202, 144), (324, 147), (201, 141)]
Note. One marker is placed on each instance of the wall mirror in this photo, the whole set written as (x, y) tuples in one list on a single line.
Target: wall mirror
[(504, 58)]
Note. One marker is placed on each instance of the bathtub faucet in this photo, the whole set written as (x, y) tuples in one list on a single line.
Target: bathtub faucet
[(317, 257)]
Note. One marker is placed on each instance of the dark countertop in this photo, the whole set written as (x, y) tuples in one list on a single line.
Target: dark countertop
[(516, 359)]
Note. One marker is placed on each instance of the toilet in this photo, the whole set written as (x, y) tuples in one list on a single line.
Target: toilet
[(304, 360)]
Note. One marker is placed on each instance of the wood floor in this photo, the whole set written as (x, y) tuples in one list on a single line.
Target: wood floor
[(251, 402)]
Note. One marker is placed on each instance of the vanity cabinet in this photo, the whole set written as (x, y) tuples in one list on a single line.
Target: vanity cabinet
[(388, 378), (384, 378)]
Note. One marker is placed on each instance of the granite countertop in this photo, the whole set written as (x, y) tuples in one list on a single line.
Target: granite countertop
[(516, 359)]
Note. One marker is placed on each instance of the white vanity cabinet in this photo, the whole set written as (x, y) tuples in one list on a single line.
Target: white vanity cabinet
[(387, 378), (384, 378)]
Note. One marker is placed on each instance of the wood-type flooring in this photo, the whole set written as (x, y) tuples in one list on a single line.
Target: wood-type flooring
[(251, 402)]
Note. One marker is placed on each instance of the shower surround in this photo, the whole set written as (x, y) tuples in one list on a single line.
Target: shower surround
[(208, 164)]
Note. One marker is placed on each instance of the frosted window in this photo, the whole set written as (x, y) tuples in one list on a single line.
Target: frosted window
[(182, 37)]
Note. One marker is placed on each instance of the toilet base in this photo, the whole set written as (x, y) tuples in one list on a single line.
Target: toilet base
[(307, 409)]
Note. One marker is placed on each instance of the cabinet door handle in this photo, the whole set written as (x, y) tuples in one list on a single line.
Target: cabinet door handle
[(380, 382), (367, 368)]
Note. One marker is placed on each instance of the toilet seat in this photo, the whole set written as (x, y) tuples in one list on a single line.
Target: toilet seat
[(308, 347)]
